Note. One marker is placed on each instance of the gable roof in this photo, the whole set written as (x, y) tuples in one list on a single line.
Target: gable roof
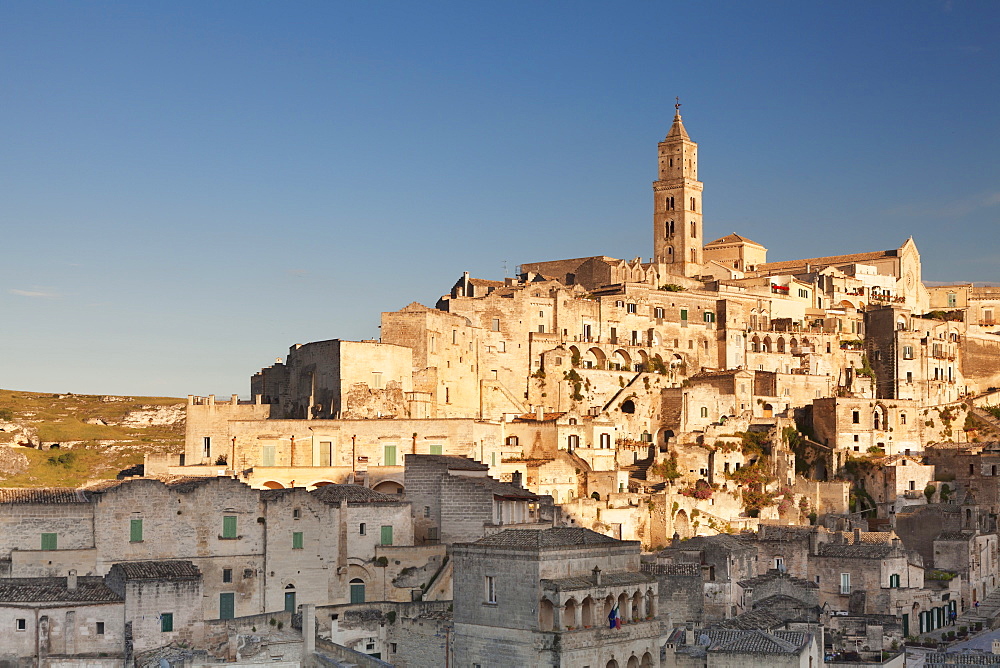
[(42, 495), (556, 537), (352, 494), (820, 262), (732, 239), (158, 570), (88, 589)]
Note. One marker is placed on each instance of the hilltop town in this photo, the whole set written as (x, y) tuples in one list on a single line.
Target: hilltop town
[(697, 458)]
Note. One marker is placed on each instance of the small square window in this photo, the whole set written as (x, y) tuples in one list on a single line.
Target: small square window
[(296, 514), (49, 541), (100, 628), (227, 575), (20, 624)]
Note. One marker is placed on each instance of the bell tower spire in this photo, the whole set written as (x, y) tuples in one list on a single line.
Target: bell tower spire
[(677, 226)]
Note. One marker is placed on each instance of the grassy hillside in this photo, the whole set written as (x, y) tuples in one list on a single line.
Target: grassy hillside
[(96, 436)]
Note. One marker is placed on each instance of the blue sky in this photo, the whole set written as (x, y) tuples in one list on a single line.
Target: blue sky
[(191, 187)]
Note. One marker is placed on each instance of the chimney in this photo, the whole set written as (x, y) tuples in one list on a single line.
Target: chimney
[(515, 479), (857, 536), (234, 399), (689, 635), (71, 580), (308, 629), (676, 540), (597, 576), (540, 413)]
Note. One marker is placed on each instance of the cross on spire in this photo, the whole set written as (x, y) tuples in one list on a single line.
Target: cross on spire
[(677, 105)]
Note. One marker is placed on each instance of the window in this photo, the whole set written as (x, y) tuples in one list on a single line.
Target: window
[(684, 314), (658, 312), (296, 514), (779, 563), (454, 336), (572, 441), (49, 541), (845, 583), (952, 300), (909, 376), (227, 606), (100, 628), (491, 589), (495, 324), (694, 229), (296, 540), (435, 448), (692, 204), (894, 581), (20, 624), (377, 382), (206, 444), (709, 316), (902, 418), (389, 453), (907, 352), (386, 537), (704, 411), (913, 484), (631, 308), (227, 575), (361, 529), (619, 303), (135, 531), (856, 417), (229, 526), (605, 440), (166, 622), (267, 455)]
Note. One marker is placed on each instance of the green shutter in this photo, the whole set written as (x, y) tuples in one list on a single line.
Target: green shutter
[(289, 601), (166, 621), (684, 314), (227, 606), (229, 526), (387, 535), (390, 455), (49, 541), (436, 449), (135, 531), (357, 592), (296, 540)]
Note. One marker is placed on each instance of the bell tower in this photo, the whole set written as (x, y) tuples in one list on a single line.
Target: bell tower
[(677, 231)]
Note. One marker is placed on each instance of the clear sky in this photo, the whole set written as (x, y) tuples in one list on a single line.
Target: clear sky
[(189, 188)]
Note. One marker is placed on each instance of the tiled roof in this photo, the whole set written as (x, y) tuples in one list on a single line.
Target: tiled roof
[(820, 262), (761, 642), (722, 540), (754, 619), (453, 463), (159, 570), (677, 570), (956, 535), (352, 494), (607, 580), (52, 590), (781, 533), (505, 490), (732, 239), (855, 551), (773, 575), (540, 539), (532, 417), (42, 495)]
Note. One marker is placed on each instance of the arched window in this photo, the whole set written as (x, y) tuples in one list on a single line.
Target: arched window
[(694, 255), (670, 253), (694, 230), (693, 204), (704, 411)]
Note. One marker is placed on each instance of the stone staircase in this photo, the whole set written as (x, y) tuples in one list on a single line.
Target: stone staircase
[(986, 418), (639, 471), (987, 612)]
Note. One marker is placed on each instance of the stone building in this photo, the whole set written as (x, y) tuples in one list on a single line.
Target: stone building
[(61, 620), (542, 598), (728, 648), (455, 500)]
